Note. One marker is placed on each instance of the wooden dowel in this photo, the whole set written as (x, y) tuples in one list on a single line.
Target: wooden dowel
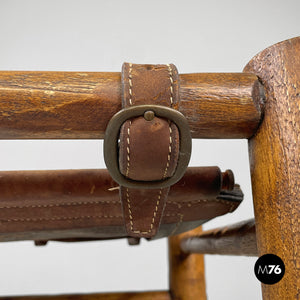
[(275, 162), (186, 271), (104, 296), (235, 239), (78, 105)]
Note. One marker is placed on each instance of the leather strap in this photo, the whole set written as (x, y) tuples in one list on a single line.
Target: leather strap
[(148, 149)]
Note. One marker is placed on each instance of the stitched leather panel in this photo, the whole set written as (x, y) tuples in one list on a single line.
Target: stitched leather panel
[(85, 203)]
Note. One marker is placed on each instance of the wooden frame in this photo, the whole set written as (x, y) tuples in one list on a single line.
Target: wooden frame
[(274, 161), (234, 108)]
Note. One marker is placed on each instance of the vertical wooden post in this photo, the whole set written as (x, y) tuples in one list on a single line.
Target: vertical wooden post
[(275, 164), (187, 278)]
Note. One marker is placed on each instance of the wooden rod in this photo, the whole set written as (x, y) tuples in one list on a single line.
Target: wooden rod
[(235, 239), (186, 271), (79, 105), (275, 162), (104, 296)]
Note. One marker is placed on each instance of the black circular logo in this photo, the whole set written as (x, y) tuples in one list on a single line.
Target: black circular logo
[(269, 269)]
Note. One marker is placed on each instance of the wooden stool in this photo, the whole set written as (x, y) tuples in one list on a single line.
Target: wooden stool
[(265, 111)]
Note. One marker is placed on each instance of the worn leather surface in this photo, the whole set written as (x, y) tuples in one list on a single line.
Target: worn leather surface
[(148, 149), (85, 204)]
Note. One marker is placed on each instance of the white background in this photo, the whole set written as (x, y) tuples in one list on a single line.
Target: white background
[(197, 36)]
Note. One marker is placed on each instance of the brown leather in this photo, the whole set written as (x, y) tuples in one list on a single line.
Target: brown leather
[(85, 204), (148, 148)]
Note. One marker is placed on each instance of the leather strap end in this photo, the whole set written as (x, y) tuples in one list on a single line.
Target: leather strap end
[(143, 210)]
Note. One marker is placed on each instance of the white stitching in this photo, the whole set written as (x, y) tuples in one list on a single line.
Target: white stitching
[(203, 200), (169, 154), (60, 204), (171, 85), (128, 149), (130, 83), (153, 218), (155, 210), (59, 218), (129, 208)]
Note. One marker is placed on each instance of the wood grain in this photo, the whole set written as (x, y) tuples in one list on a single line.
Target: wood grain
[(73, 105), (234, 239), (275, 160), (186, 271), (104, 296)]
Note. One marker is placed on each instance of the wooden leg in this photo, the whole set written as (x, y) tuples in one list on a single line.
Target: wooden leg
[(187, 279), (275, 160)]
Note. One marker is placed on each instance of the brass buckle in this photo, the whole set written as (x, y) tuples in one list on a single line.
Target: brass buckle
[(111, 145)]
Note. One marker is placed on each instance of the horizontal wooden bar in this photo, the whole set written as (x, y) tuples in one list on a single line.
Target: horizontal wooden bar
[(164, 295), (236, 239), (79, 105)]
